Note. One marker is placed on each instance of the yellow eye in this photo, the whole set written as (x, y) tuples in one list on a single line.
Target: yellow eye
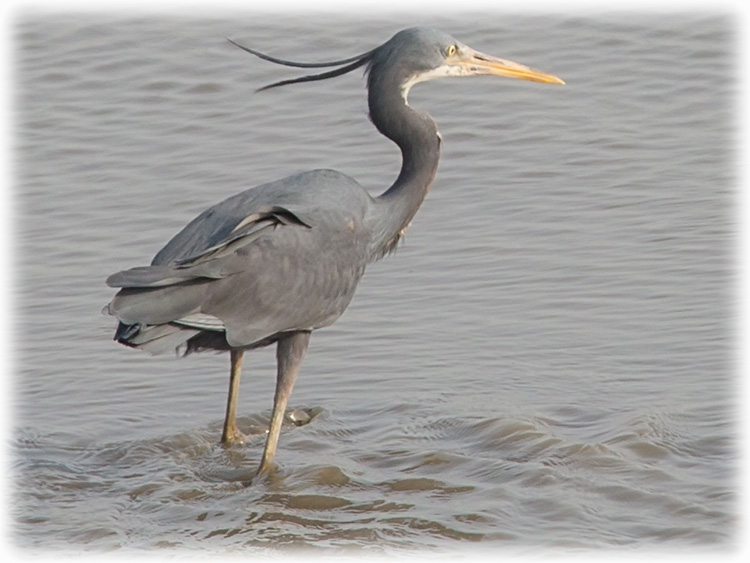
[(451, 51)]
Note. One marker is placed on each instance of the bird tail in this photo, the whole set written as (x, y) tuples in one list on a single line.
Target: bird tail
[(156, 339), (149, 306)]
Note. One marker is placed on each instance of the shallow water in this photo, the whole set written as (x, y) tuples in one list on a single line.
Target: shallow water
[(546, 362)]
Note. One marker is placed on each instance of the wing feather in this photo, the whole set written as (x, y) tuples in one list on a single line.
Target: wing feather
[(207, 263)]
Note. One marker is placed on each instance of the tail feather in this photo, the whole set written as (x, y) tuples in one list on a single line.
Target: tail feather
[(158, 305), (125, 332), (156, 339), (149, 315)]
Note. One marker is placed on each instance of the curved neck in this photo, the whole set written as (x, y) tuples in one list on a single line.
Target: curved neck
[(417, 136)]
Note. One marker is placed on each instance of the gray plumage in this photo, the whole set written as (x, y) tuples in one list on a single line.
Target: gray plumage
[(282, 257), (275, 262)]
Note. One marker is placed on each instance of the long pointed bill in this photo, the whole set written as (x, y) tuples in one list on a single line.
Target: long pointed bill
[(475, 63)]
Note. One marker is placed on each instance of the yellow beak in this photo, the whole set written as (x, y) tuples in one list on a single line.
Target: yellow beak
[(475, 63)]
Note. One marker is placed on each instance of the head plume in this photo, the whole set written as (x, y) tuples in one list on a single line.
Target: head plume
[(344, 66)]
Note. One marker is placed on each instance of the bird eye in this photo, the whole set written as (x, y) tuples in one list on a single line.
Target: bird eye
[(450, 51)]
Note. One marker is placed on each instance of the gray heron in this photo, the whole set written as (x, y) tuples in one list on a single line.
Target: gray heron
[(275, 262)]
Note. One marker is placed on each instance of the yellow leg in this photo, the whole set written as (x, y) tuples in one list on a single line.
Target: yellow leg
[(289, 353), (231, 434)]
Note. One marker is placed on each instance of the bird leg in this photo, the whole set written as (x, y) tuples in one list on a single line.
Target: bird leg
[(289, 353), (231, 434)]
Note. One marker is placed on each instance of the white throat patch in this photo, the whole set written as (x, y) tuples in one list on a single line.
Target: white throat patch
[(442, 71)]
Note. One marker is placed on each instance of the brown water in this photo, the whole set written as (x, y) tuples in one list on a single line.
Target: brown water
[(545, 363)]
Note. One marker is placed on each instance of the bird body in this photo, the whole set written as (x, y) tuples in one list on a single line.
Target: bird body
[(276, 262), (281, 257)]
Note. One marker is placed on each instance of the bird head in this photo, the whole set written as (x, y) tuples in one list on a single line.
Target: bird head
[(413, 55), (419, 54)]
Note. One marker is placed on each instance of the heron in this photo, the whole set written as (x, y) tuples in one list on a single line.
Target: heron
[(273, 263)]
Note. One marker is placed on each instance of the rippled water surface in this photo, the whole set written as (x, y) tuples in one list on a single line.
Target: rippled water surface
[(546, 362)]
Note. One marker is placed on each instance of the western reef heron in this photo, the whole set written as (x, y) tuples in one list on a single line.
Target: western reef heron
[(275, 262)]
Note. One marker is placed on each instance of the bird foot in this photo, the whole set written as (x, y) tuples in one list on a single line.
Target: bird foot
[(265, 468), (268, 474), (232, 437)]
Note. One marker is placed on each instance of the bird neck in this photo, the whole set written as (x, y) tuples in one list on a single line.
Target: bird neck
[(417, 136)]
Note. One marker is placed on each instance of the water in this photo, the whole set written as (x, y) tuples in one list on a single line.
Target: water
[(545, 363)]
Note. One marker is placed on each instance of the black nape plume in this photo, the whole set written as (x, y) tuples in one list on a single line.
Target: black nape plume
[(350, 64)]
